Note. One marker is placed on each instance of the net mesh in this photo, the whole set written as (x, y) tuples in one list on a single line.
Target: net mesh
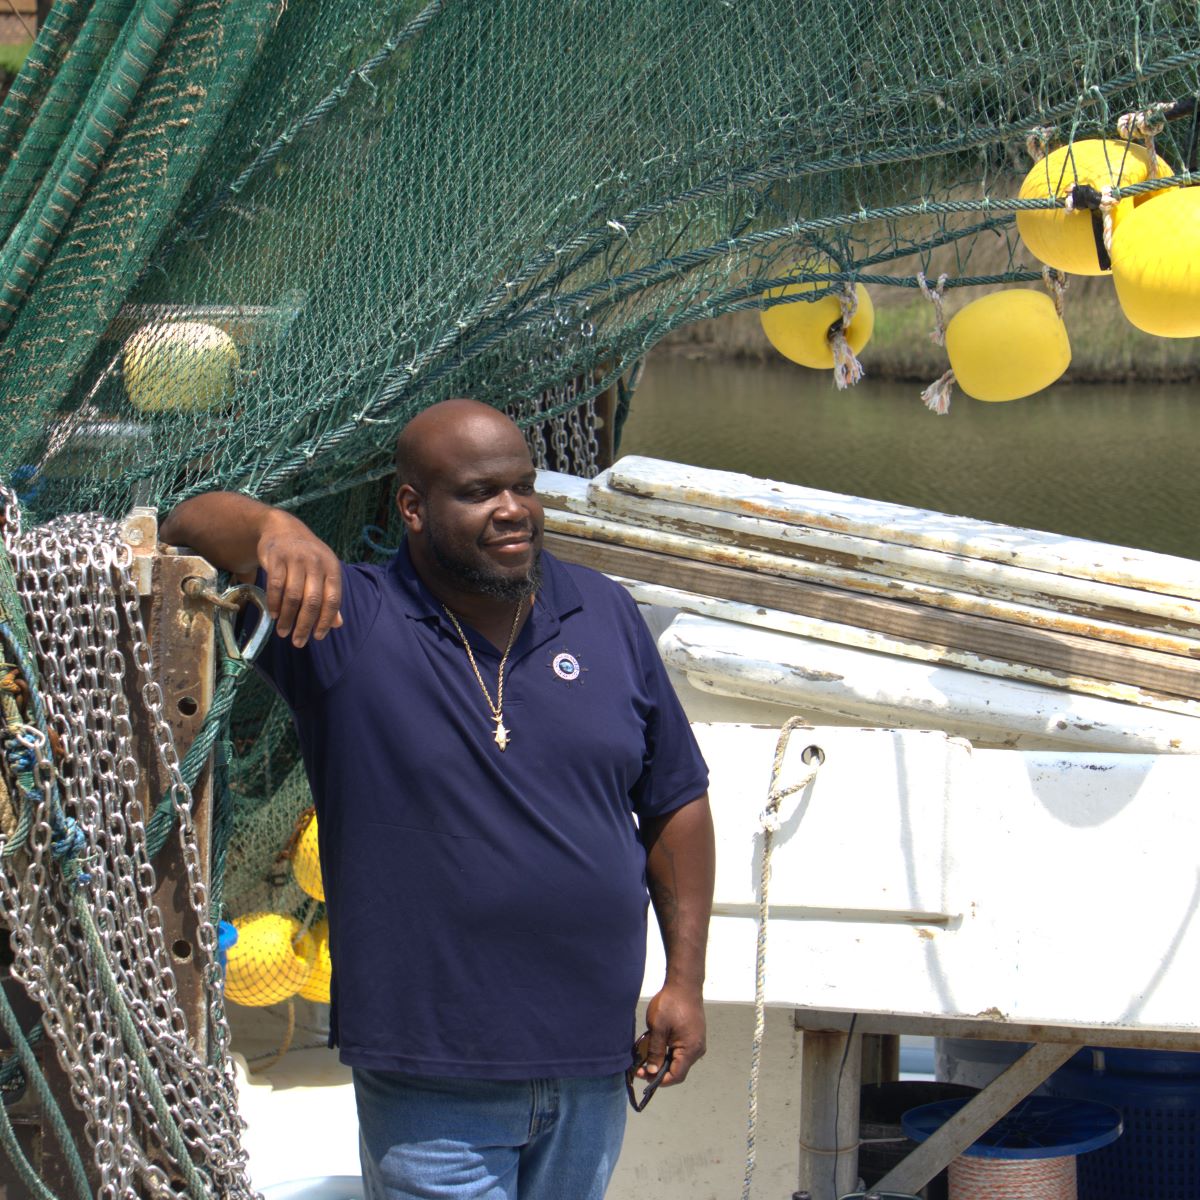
[(309, 221), (245, 240)]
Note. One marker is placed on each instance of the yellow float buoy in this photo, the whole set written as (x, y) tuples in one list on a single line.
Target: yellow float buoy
[(800, 331), (1067, 240), (262, 966), (1007, 345), (1156, 265), (306, 857), (181, 365), (313, 947)]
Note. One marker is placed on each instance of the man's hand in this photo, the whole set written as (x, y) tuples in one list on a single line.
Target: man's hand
[(239, 535), (675, 1018), (304, 579)]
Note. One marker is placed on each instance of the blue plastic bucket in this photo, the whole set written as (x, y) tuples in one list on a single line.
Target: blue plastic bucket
[(1158, 1094)]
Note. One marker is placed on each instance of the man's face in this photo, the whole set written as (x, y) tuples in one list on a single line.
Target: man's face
[(481, 519)]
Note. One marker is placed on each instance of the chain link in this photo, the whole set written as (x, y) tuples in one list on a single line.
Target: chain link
[(82, 607)]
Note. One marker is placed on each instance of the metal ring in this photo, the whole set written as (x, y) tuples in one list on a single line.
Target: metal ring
[(262, 631), (28, 736)]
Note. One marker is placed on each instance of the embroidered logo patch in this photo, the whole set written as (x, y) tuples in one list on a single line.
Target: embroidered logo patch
[(566, 666)]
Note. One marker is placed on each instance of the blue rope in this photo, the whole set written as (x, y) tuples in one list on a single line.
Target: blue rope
[(67, 838), (371, 534)]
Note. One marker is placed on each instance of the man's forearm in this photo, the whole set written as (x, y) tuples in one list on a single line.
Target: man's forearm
[(237, 534), (223, 527), (680, 867)]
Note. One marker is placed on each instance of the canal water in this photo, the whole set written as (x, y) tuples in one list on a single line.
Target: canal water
[(1116, 463)]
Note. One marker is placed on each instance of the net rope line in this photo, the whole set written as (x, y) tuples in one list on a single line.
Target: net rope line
[(392, 384), (55, 201), (707, 310), (770, 823), (1089, 97), (600, 236)]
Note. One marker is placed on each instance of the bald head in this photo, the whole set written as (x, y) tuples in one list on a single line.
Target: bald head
[(468, 499), (446, 434)]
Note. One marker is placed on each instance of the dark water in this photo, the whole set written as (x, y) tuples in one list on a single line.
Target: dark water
[(1118, 463)]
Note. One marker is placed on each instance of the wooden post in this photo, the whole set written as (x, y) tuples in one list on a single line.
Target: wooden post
[(182, 633), (830, 1079), (881, 1058)]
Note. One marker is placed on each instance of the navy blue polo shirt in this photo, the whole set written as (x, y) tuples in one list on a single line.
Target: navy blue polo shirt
[(487, 909)]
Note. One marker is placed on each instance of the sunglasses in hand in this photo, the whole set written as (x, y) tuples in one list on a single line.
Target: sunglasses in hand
[(641, 1054)]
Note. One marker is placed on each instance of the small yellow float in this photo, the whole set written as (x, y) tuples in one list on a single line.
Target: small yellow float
[(313, 947), (306, 858), (262, 966), (184, 365), (1156, 265), (1066, 239), (1007, 345), (802, 330)]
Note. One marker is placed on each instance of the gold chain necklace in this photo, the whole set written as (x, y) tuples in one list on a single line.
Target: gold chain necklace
[(501, 735)]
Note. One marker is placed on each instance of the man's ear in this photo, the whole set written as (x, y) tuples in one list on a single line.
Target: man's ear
[(410, 505)]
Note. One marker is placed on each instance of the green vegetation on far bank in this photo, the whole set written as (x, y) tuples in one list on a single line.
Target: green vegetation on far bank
[(13, 55), (12, 58)]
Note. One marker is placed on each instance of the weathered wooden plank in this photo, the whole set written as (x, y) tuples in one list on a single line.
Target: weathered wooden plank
[(892, 659), (1056, 597), (1055, 554), (1017, 611), (828, 681), (998, 1028), (1168, 675)]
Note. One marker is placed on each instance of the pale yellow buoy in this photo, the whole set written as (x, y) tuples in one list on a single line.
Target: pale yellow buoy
[(1066, 240), (800, 331), (306, 857), (183, 365), (262, 966), (1007, 345), (1156, 265), (313, 947)]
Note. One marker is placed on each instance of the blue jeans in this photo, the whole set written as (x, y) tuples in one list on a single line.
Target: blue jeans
[(436, 1138)]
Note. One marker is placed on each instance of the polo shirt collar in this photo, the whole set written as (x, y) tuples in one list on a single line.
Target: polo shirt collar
[(557, 598)]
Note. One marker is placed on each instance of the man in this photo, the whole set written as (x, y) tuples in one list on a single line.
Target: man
[(480, 724)]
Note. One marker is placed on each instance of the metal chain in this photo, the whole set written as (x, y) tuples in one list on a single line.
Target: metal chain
[(81, 605), (573, 446)]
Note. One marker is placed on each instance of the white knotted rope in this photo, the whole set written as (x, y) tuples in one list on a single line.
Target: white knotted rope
[(1056, 285), (1037, 141), (847, 370), (770, 821), (935, 297), (1147, 125), (937, 395)]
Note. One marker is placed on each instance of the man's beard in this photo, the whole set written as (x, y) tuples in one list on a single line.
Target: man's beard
[(483, 582)]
